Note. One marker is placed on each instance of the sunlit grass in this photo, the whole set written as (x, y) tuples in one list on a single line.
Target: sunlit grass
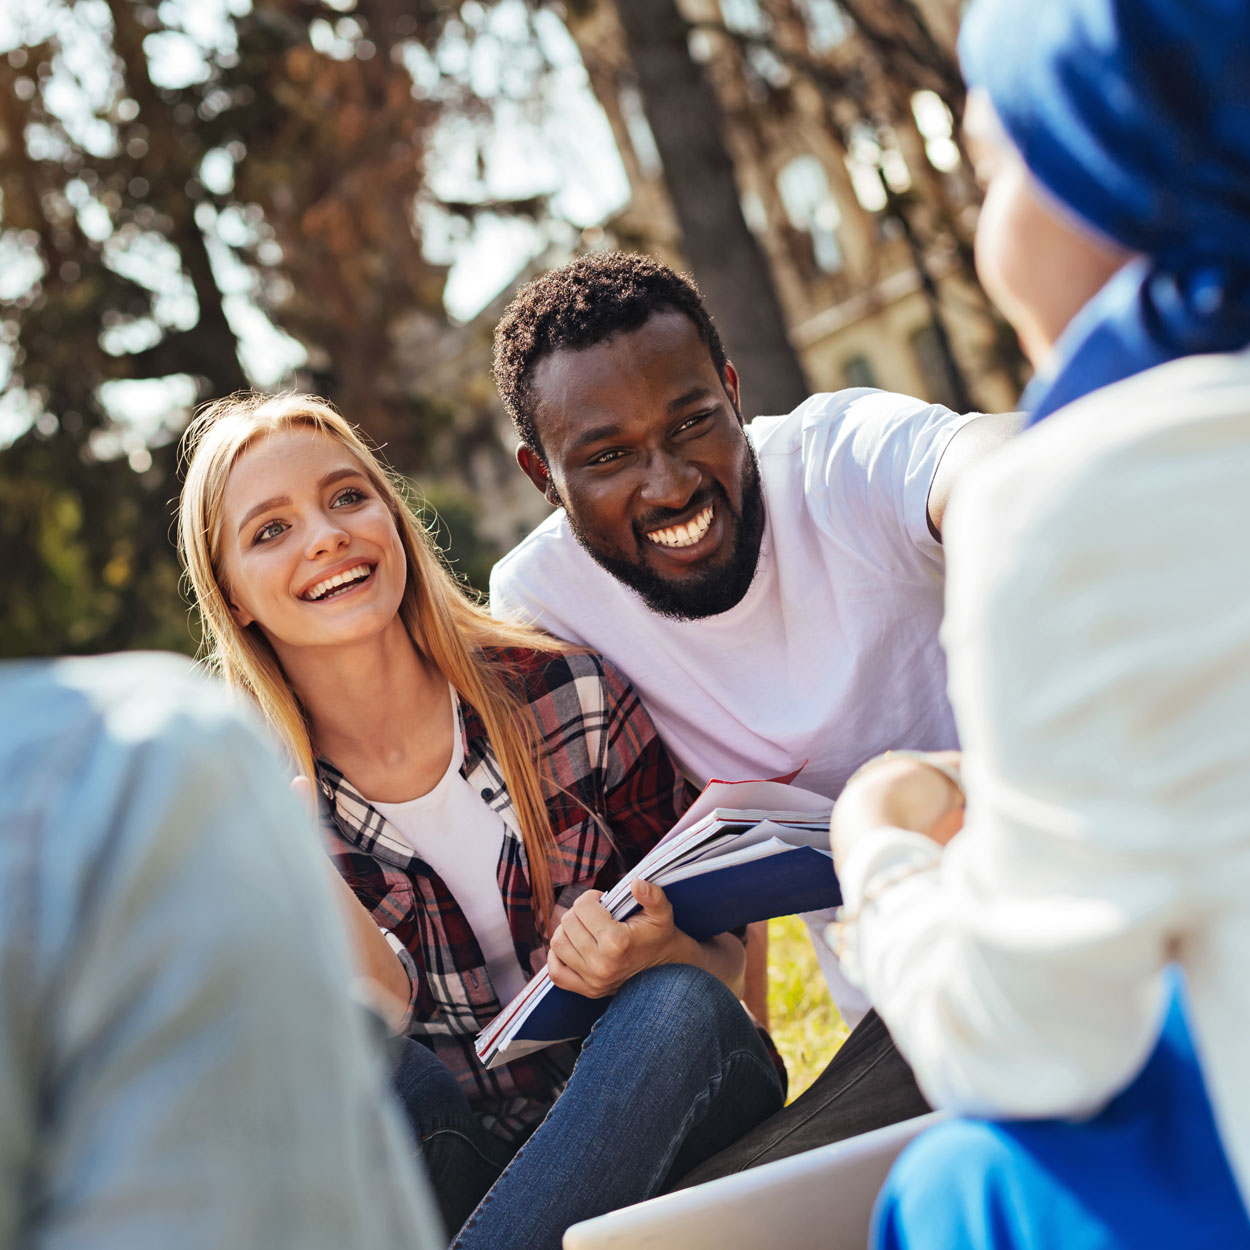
[(802, 1018)]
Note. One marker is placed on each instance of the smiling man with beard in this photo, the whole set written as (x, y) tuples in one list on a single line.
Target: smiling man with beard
[(773, 589)]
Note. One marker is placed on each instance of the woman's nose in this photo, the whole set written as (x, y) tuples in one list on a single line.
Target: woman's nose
[(326, 535)]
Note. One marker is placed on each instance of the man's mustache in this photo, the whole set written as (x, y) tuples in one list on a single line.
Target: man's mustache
[(661, 518)]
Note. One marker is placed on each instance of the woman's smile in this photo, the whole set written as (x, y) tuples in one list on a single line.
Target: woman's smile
[(337, 584)]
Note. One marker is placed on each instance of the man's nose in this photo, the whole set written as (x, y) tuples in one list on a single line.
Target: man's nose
[(669, 480)]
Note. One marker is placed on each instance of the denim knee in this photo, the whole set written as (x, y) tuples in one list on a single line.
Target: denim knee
[(681, 1004), (422, 1079)]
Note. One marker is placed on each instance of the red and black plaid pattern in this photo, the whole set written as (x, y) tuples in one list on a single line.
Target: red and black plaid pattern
[(613, 792)]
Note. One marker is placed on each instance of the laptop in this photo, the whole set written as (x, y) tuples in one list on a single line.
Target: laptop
[(819, 1200)]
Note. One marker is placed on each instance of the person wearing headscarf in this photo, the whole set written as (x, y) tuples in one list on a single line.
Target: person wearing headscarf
[(1056, 926)]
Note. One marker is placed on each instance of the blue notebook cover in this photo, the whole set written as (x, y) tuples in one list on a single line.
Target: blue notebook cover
[(798, 880)]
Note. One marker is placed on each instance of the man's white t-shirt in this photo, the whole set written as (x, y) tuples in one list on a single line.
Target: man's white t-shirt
[(460, 838), (832, 656)]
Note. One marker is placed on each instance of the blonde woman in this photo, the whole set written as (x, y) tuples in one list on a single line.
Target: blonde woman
[(480, 784)]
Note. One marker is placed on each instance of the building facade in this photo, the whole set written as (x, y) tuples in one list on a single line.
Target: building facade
[(851, 177)]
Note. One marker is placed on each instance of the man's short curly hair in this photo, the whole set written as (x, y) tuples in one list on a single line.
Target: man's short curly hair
[(581, 304)]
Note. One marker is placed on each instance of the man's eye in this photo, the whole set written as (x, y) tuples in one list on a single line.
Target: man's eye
[(349, 496), (269, 531), (607, 457), (694, 422)]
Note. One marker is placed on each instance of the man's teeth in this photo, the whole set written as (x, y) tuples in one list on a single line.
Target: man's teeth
[(321, 589), (684, 535)]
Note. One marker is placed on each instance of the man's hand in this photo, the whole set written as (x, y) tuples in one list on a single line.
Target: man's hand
[(899, 793), (594, 955)]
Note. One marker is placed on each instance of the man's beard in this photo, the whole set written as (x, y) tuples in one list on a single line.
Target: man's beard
[(706, 591)]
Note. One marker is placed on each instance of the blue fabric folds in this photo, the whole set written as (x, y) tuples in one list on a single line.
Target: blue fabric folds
[(1148, 1170), (1135, 116)]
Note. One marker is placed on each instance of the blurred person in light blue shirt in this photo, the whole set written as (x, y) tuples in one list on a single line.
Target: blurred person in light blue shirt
[(181, 1059)]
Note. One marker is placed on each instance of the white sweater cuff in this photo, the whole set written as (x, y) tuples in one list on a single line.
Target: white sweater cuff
[(884, 851), (877, 861)]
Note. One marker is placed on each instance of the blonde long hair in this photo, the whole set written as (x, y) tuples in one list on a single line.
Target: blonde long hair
[(449, 629)]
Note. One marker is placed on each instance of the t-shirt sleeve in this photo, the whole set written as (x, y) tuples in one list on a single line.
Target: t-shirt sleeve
[(869, 461), (506, 603), (529, 583)]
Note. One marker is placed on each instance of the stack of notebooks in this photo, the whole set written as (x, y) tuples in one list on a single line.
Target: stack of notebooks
[(745, 851)]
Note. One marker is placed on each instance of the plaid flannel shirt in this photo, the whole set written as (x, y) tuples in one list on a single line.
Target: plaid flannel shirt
[(616, 793)]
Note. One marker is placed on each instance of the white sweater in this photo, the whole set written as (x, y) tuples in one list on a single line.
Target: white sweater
[(1098, 641)]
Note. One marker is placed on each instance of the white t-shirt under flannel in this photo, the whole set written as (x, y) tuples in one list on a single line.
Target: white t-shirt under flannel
[(455, 832)]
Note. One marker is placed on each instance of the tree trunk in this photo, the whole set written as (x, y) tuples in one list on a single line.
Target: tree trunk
[(213, 347), (726, 257)]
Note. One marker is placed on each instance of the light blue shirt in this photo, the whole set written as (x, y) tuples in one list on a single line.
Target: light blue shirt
[(181, 1060)]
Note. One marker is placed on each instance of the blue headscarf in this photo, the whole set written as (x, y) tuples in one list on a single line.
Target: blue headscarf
[(1135, 115)]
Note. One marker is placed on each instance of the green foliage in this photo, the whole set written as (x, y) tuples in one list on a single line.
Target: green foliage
[(288, 169), (452, 516), (90, 567), (804, 1022)]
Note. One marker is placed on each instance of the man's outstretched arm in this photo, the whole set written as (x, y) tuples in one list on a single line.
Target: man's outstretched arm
[(969, 446)]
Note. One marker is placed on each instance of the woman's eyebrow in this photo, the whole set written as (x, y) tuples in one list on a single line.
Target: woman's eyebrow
[(336, 475), (278, 501)]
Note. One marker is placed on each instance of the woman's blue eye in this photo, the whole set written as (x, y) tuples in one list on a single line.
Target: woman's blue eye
[(268, 532), (349, 496)]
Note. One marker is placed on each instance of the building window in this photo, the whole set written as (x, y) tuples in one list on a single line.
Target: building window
[(858, 371), (873, 154), (936, 126), (804, 189)]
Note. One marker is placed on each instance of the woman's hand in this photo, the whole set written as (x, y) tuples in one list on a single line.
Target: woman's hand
[(899, 792), (594, 955)]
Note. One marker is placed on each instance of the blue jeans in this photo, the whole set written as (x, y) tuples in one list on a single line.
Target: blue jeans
[(461, 1158), (671, 1073), (1148, 1170)]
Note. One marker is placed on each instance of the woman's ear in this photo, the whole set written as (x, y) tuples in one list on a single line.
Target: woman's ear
[(242, 617)]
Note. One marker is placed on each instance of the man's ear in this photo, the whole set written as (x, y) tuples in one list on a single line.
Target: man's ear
[(729, 379), (532, 465)]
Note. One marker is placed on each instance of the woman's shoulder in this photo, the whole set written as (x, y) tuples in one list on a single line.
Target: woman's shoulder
[(541, 672)]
